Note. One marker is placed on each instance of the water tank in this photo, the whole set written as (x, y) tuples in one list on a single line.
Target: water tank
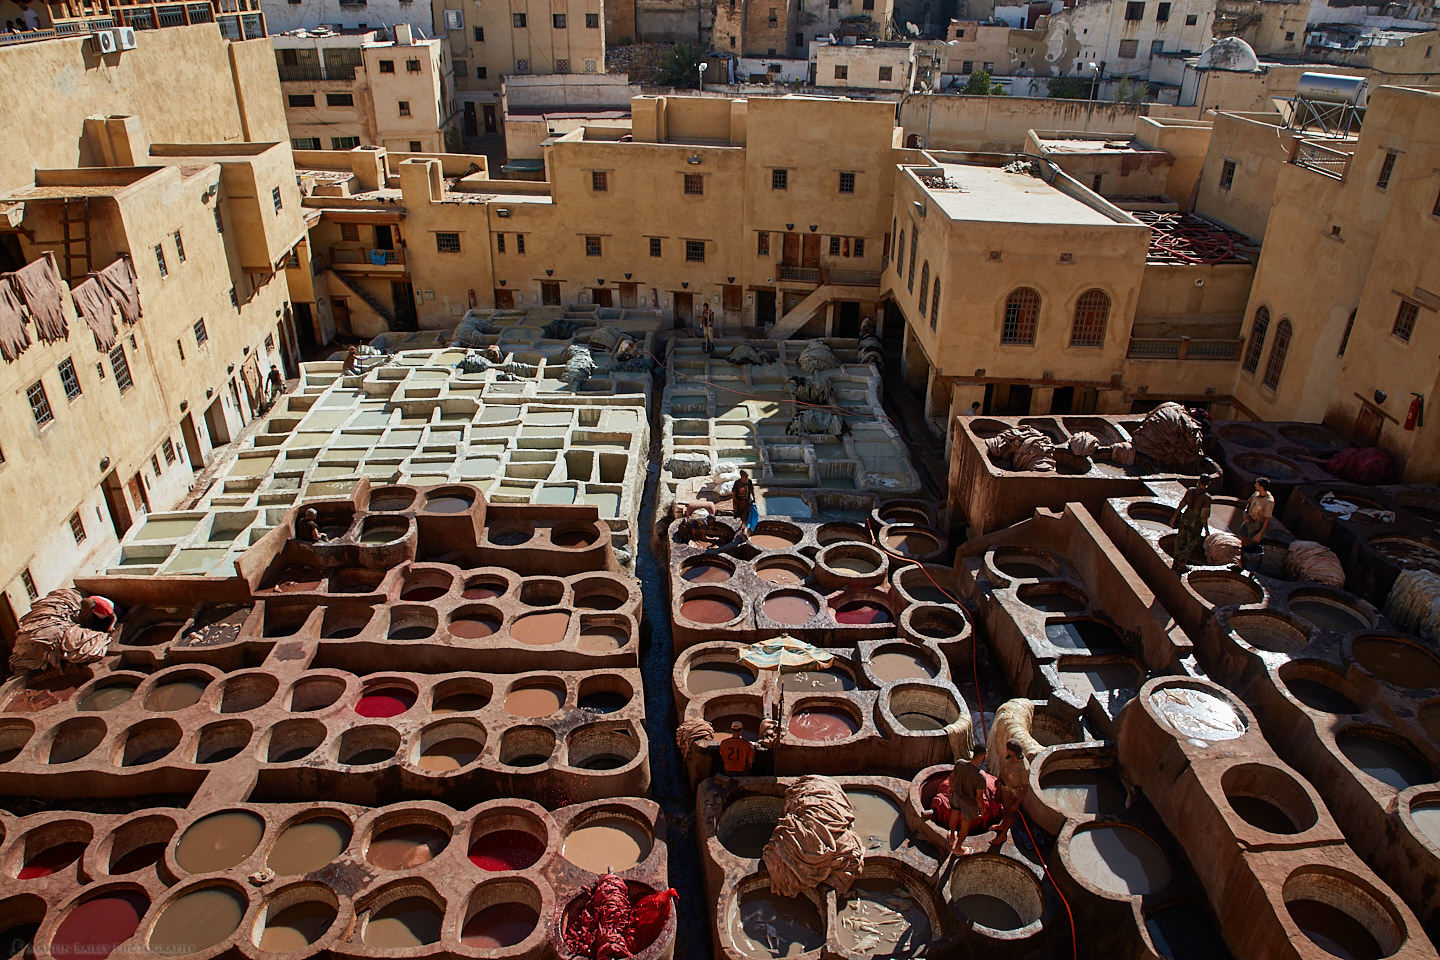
[(1332, 88)]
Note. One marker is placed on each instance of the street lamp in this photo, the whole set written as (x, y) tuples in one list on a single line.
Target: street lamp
[(1094, 77), (703, 66)]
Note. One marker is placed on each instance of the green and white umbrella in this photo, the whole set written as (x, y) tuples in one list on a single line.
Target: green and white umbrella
[(783, 651)]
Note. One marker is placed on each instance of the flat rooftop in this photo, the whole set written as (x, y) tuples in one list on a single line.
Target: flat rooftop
[(1094, 145), (995, 195)]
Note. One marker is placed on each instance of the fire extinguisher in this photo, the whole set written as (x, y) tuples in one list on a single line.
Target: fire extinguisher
[(1416, 416)]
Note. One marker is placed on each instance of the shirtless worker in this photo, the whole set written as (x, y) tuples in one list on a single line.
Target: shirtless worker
[(742, 498), (967, 798), (1014, 784)]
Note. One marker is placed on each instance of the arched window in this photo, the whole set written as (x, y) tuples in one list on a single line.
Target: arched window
[(1022, 312), (1276, 365), (914, 249), (1091, 312), (1257, 340), (900, 256), (924, 286), (935, 306)]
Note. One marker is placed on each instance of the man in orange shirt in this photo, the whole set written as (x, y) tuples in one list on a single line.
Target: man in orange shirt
[(737, 754)]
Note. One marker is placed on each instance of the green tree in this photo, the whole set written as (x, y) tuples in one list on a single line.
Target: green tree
[(680, 66), (1069, 88), (980, 85)]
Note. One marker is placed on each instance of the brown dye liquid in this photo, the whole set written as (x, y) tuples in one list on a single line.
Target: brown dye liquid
[(1082, 791), (473, 628), (308, 846), (423, 594), (197, 921), (297, 926), (893, 665), (482, 591), (765, 925), (989, 912), (705, 573), (910, 544), (780, 575), (451, 754), (748, 839), (816, 680), (1328, 616), (792, 609), (407, 922), (880, 918), (107, 698), (1402, 664), (717, 676), (540, 700), (710, 610), (219, 841), (599, 639), (1120, 860), (822, 724), (447, 504), (1334, 931), (541, 629), (176, 695), (770, 541), (853, 564), (879, 820), (460, 703), (1023, 571), (1320, 696), (920, 722), (402, 848), (614, 843)]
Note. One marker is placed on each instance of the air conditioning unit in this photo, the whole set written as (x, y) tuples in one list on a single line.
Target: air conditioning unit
[(124, 37), (104, 41)]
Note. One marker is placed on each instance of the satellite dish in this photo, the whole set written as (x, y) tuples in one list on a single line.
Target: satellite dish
[(911, 29)]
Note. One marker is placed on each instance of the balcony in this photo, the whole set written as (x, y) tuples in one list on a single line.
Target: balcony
[(1183, 348), (367, 259), (1321, 159), (313, 71), (854, 278)]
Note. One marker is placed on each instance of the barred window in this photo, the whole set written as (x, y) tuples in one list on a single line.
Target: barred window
[(1276, 364), (924, 286), (1257, 340), (592, 246), (935, 306), (834, 246), (1091, 312), (39, 404), (201, 334), (168, 448), (519, 243), (914, 249), (179, 247), (275, 199), (1405, 319), (350, 232), (499, 243), (900, 256), (779, 179), (858, 247), (762, 244), (447, 242), (599, 181), (160, 261), (847, 183), (694, 184), (155, 463), (1345, 337), (69, 378), (695, 251), (562, 66), (121, 366), (1022, 314), (77, 527), (29, 582), (655, 246)]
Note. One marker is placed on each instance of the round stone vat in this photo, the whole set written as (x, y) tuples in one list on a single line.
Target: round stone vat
[(1266, 465), (934, 622), (574, 536), (1054, 597), (823, 720), (147, 742), (386, 697), (775, 535), (993, 892), (861, 608), (510, 534), (711, 606), (1342, 914), (542, 591), (460, 695), (535, 698), (783, 571), (49, 849), (829, 533), (745, 825), (541, 629), (643, 938), (599, 593), (1084, 635), (1430, 719), (218, 742), (895, 901), (1312, 437), (604, 632), (853, 564), (913, 543), (198, 917), (613, 838), (835, 677), (452, 499), (1081, 787), (475, 621), (1024, 563), (1384, 755), (879, 819), (500, 914), (71, 740), (717, 673), (892, 662), (913, 514), (602, 746), (1409, 552), (1182, 930), (20, 919), (1422, 504), (136, 844), (294, 918), (527, 746), (390, 499), (99, 922), (1318, 686), (484, 588), (1330, 610), (401, 916), (284, 619), (1424, 812), (343, 621), (507, 838), (243, 692), (108, 693), (448, 746), (924, 583), (1272, 632), (921, 707), (602, 693), (1149, 515), (424, 585), (375, 531), (1118, 860), (308, 842), (723, 711), (984, 427), (412, 622), (356, 580), (1196, 712), (707, 569), (362, 746), (219, 841), (403, 841), (790, 607), (291, 740), (1224, 589), (176, 690), (1400, 662), (763, 925), (1268, 798)]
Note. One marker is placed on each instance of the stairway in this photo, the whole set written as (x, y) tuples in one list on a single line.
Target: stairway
[(804, 311), (382, 311)]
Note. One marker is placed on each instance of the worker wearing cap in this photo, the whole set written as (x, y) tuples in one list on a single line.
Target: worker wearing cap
[(737, 754), (98, 613)]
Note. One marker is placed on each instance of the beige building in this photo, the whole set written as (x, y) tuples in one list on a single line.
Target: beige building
[(236, 19), (348, 89), (785, 28), (864, 64), (106, 419)]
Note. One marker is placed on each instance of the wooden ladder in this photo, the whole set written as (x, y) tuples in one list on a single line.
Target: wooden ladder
[(75, 227)]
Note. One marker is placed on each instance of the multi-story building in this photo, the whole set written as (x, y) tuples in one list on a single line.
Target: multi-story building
[(344, 90), (852, 64), (109, 415), (285, 16), (785, 28), (40, 20)]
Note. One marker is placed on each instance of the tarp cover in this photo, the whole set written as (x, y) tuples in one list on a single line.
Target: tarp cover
[(815, 841), (50, 634)]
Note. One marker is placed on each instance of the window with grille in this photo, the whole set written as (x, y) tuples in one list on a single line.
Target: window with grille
[(857, 248), (412, 66), (1276, 364), (304, 143), (1345, 337), (517, 19), (520, 243), (447, 242), (344, 143), (695, 251), (557, 20), (479, 34), (887, 74), (1135, 10), (592, 21), (499, 243), (1091, 312), (1192, 19), (1387, 167), (847, 183), (1257, 340), (834, 246), (349, 232), (339, 100), (302, 99), (780, 180), (935, 305), (201, 334), (1022, 315), (179, 247), (924, 286), (1128, 49), (69, 378), (522, 66), (39, 404), (168, 448), (762, 244), (694, 184), (1162, 13), (180, 347), (900, 256), (404, 106), (842, 72), (655, 247), (275, 199), (387, 66), (77, 527), (29, 583), (592, 246), (160, 261), (481, 73), (1227, 174), (599, 181), (155, 464), (914, 248), (1405, 319), (562, 66)]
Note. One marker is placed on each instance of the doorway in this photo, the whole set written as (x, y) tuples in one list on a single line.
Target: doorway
[(1063, 401), (504, 299), (215, 424), (116, 504), (340, 310), (9, 625), (138, 496), (684, 307), (402, 301), (1007, 399), (629, 294), (790, 250), (550, 293), (602, 296), (304, 331), (489, 118), (192, 443), (471, 128), (810, 255), (384, 239), (240, 408), (847, 318), (1368, 423), (764, 306)]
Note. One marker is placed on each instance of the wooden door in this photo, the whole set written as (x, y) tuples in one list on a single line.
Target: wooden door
[(811, 255), (684, 306), (603, 296), (629, 294), (550, 293), (1367, 426), (504, 299), (733, 300), (765, 307), (790, 250)]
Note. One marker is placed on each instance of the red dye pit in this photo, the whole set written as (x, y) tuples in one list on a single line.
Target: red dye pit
[(506, 850), (422, 594), (822, 723), (473, 628), (50, 860), (481, 591), (389, 702), (96, 927), (862, 612)]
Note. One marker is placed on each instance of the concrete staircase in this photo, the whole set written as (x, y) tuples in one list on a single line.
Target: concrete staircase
[(383, 316), (804, 311)]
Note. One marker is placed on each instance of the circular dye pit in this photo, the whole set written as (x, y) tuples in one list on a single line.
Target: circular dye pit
[(16, 938), (296, 926), (107, 697), (1408, 552), (535, 700), (410, 631), (1224, 589), (385, 702), (817, 680), (710, 610), (406, 847), (821, 723), (423, 594), (143, 856), (1385, 760), (892, 665), (911, 543), (765, 925), (746, 823), (1320, 696), (1268, 631), (483, 590), (884, 906), (879, 820), (1083, 791), (601, 638), (219, 841), (705, 677), (772, 541), (1186, 931), (451, 503), (1024, 564), (782, 572), (706, 571), (450, 754), (1427, 820), (51, 860), (499, 925), (197, 921), (1119, 860), (1334, 931), (402, 923), (1051, 599), (502, 850), (1197, 714), (174, 695), (792, 609), (541, 629), (574, 537), (1397, 662), (1084, 636), (308, 846), (607, 843), (603, 701), (97, 926), (473, 626), (862, 612), (1329, 615)]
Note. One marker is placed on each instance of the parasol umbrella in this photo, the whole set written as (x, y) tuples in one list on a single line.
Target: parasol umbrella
[(784, 651)]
